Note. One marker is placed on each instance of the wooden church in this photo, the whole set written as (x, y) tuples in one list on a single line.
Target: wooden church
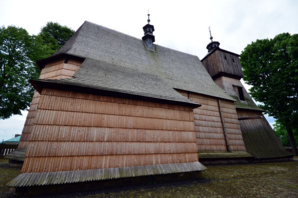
[(108, 105)]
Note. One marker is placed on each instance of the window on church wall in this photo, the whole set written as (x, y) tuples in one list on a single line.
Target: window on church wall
[(239, 91)]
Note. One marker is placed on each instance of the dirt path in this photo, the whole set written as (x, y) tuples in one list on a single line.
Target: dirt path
[(250, 180)]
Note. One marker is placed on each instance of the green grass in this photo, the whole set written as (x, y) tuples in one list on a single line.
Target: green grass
[(249, 180), (6, 174)]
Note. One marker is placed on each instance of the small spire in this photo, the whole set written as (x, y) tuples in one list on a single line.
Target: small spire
[(148, 37), (213, 44), (148, 17), (211, 37)]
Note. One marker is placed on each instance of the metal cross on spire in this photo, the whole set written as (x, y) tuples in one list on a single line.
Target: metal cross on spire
[(213, 44), (211, 37), (148, 17)]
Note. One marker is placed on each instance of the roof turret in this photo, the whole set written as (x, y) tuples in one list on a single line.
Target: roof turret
[(148, 37), (214, 44)]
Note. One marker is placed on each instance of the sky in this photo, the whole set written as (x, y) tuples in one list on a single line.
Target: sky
[(180, 25)]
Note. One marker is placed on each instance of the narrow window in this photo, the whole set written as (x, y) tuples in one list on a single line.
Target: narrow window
[(240, 92), (225, 57), (233, 60)]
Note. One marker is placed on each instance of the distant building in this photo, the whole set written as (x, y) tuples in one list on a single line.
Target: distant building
[(13, 141), (8, 146)]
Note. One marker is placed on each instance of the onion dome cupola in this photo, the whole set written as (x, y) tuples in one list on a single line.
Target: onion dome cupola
[(214, 44), (148, 37)]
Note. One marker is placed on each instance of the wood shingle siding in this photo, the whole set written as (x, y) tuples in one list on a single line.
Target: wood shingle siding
[(60, 69), (232, 126), (93, 134), (55, 70), (110, 108), (80, 132), (29, 123), (207, 119), (74, 163), (221, 62), (229, 85), (213, 121), (248, 113)]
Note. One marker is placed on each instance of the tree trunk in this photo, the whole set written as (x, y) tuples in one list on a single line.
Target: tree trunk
[(292, 140)]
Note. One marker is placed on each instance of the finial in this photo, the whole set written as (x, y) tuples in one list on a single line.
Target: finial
[(148, 17), (214, 44), (148, 37), (211, 37)]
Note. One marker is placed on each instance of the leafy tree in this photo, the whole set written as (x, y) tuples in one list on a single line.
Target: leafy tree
[(18, 55), (271, 67), (16, 69), (282, 134), (55, 35)]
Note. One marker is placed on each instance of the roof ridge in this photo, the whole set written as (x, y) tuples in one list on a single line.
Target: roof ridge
[(118, 32)]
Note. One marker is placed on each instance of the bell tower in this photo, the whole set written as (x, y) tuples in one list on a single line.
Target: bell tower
[(225, 69)]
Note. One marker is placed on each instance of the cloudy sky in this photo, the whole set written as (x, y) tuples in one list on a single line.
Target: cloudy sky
[(181, 25)]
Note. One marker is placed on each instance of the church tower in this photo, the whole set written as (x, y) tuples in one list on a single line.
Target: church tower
[(225, 69)]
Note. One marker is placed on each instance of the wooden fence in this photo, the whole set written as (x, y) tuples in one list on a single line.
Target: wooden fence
[(5, 149)]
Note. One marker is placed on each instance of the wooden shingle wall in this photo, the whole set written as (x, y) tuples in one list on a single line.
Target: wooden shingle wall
[(216, 124), (56, 70), (248, 113), (212, 64), (227, 84), (208, 126), (76, 131), (223, 62), (230, 63), (29, 122), (232, 126), (60, 69)]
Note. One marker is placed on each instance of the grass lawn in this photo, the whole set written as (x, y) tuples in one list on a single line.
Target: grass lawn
[(249, 180)]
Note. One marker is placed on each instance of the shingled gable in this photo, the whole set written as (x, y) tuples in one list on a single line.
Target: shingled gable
[(177, 70)]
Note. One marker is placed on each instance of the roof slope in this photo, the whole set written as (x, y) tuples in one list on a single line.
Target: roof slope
[(260, 140), (13, 140), (103, 76), (178, 70)]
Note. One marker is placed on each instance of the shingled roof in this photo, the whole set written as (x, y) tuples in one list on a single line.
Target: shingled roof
[(159, 70), (97, 75)]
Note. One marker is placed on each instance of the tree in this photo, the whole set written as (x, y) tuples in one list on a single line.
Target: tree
[(18, 55), (271, 67), (55, 35), (16, 69), (282, 134)]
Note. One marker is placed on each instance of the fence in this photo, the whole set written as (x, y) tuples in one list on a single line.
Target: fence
[(5, 149)]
